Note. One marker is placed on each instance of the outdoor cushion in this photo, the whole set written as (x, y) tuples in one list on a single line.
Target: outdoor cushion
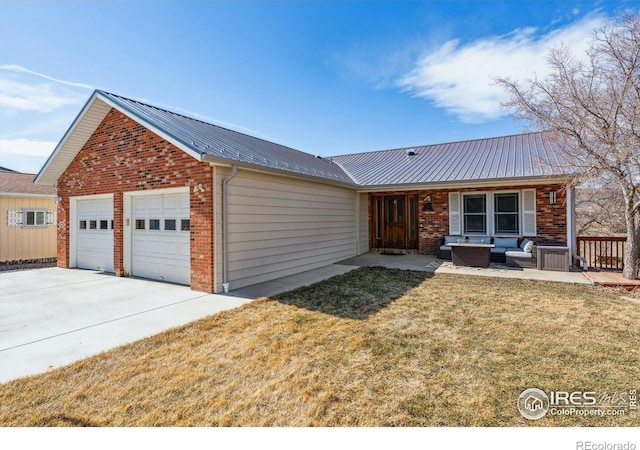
[(498, 249), (529, 247), (445, 247), (518, 254), (506, 242)]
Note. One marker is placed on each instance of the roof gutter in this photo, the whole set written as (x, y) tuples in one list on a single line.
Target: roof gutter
[(265, 169), (225, 227), (525, 181), (27, 195)]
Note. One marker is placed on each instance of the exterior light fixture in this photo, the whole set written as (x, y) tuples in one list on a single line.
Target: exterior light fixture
[(552, 197), (427, 206), (199, 188)]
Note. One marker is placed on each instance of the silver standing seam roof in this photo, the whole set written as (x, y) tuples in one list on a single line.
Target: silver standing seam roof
[(224, 144), (521, 156), (507, 157)]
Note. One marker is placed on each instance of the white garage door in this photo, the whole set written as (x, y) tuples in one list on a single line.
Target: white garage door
[(160, 236), (95, 235)]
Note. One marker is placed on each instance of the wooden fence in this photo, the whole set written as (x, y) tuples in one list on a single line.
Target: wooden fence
[(602, 252)]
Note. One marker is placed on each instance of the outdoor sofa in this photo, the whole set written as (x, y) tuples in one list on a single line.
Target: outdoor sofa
[(506, 250)]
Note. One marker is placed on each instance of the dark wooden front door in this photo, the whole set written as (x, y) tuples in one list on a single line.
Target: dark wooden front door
[(394, 221), (395, 232)]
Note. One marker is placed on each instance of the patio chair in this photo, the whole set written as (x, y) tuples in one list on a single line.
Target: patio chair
[(524, 257)]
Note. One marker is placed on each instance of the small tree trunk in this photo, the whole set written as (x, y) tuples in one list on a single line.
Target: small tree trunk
[(632, 246)]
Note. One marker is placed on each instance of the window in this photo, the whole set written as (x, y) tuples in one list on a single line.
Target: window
[(154, 224), (34, 218), (506, 213), (169, 224), (185, 225), (104, 224), (83, 224), (93, 225), (475, 213), (140, 224)]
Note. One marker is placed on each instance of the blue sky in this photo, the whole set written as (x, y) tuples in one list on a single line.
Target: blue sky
[(323, 77)]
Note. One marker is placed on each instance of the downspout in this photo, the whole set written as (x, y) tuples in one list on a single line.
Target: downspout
[(225, 259), (357, 223)]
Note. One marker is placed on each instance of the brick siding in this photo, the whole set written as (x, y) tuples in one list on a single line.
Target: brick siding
[(123, 156)]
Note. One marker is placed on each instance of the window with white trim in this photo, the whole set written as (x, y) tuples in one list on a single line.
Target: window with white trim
[(34, 218), (474, 212), (31, 218), (495, 213), (506, 213)]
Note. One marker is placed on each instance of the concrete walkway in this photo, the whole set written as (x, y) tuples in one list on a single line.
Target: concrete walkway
[(53, 317), (429, 263)]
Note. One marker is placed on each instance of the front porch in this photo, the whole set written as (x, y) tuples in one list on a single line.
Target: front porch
[(415, 221), (430, 263)]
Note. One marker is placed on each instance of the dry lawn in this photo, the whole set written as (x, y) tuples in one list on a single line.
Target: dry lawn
[(374, 347)]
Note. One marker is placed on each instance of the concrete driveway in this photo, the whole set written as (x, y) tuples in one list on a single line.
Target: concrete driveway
[(53, 317)]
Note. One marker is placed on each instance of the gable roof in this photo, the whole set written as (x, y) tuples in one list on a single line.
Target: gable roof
[(500, 158), (523, 156), (14, 183), (202, 140)]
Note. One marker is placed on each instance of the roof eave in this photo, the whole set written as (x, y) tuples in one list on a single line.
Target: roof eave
[(26, 195), (98, 95), (64, 139), (228, 162), (489, 182)]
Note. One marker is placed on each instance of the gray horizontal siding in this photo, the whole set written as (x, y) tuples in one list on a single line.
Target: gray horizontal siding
[(280, 226)]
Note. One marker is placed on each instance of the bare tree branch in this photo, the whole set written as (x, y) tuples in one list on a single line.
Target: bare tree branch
[(592, 107)]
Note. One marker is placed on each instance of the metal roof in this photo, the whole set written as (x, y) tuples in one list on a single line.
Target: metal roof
[(207, 139), (507, 157)]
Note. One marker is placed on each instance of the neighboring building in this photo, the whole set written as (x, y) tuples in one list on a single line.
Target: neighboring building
[(151, 193), (28, 219)]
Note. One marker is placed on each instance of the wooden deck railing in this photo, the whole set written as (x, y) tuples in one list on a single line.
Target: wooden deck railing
[(602, 252)]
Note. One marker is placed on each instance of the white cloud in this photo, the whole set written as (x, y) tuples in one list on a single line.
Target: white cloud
[(459, 76), (42, 97), (20, 69), (26, 147), (25, 155), (22, 89)]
